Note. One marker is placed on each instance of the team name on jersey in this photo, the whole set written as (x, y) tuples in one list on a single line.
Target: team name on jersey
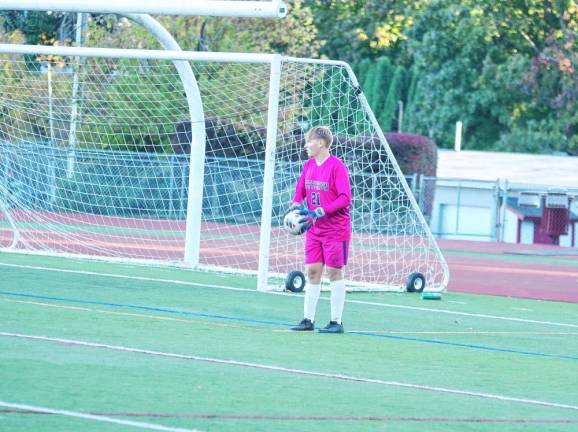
[(316, 185)]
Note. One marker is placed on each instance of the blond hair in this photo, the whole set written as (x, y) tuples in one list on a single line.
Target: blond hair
[(320, 132)]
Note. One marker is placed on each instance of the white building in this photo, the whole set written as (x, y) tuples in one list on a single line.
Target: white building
[(472, 185)]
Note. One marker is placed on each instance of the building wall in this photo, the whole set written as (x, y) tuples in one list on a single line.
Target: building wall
[(467, 210), (510, 229), (464, 210), (566, 240), (527, 232)]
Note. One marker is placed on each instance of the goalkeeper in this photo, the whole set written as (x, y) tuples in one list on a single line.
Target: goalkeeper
[(324, 185)]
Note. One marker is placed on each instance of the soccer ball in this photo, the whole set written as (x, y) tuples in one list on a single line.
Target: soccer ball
[(293, 224)]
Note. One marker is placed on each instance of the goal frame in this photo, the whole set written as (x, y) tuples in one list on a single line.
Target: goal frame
[(274, 61)]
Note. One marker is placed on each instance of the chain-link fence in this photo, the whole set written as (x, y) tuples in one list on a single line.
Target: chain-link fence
[(38, 176), (35, 176)]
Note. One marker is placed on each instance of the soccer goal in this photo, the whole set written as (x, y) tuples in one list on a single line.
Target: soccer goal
[(105, 154)]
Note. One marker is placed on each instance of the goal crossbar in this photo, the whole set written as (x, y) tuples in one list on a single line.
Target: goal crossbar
[(172, 55), (258, 9), (198, 56)]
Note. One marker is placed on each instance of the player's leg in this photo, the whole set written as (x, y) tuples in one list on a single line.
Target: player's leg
[(336, 254), (312, 290), (314, 262), (337, 285)]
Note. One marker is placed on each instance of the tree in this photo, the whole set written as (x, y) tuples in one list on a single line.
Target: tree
[(377, 83), (396, 93), (552, 85), (497, 66), (354, 30), (294, 35), (361, 70), (37, 27)]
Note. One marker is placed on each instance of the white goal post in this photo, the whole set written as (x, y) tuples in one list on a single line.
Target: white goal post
[(129, 195), (260, 9)]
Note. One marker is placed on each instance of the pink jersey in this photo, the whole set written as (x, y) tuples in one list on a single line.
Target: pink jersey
[(327, 186)]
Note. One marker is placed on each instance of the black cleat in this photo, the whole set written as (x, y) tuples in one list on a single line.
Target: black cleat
[(332, 327), (305, 325)]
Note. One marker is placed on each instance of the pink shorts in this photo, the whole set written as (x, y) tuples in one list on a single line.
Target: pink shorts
[(331, 253)]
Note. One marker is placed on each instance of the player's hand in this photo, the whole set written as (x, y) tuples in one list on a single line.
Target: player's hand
[(315, 214), (294, 207), (310, 216)]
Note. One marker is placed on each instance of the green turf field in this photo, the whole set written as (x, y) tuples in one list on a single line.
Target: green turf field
[(89, 344)]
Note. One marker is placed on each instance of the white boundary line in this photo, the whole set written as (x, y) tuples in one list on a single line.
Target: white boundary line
[(141, 278), (140, 425), (229, 288), (450, 312), (295, 371)]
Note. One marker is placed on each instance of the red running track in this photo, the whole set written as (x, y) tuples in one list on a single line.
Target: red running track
[(475, 267), (493, 269)]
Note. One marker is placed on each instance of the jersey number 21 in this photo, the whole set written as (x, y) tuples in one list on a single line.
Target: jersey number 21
[(315, 198)]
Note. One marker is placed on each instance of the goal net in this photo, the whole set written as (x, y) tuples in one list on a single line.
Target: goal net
[(95, 161)]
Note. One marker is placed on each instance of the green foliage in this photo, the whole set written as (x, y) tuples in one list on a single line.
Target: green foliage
[(295, 35), (354, 30), (385, 86), (507, 69), (26, 118), (138, 107), (37, 27), (410, 105), (389, 114), (377, 83), (334, 103), (361, 70), (535, 137)]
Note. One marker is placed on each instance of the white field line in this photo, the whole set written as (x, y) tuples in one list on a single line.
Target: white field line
[(339, 377), (225, 287), (450, 312), (140, 425), (117, 276)]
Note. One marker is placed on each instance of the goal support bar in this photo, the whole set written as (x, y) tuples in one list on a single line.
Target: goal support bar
[(267, 201), (260, 9)]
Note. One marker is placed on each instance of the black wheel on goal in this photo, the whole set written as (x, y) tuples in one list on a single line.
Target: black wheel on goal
[(415, 282), (295, 281)]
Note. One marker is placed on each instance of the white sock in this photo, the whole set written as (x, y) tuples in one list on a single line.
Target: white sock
[(337, 300), (312, 292)]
